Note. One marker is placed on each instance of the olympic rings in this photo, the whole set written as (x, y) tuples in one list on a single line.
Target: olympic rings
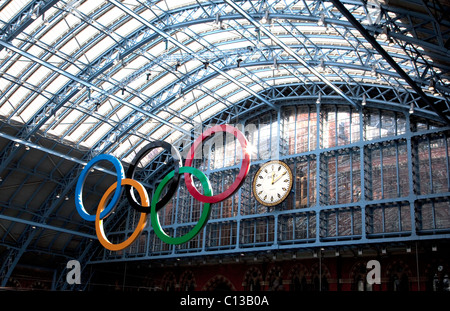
[(144, 208), (242, 172)]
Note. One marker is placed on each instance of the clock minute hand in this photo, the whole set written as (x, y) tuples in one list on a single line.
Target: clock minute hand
[(274, 181)]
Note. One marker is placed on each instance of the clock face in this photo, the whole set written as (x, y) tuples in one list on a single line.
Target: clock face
[(272, 183)]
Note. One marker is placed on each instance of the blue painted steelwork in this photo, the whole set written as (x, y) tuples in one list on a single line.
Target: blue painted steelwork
[(374, 82), (24, 18), (380, 205), (274, 17)]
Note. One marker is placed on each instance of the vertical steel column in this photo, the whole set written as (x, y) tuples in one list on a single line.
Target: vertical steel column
[(238, 216), (336, 177), (397, 160), (430, 167), (318, 172), (362, 173), (412, 196), (447, 164), (351, 176), (381, 171), (278, 152)]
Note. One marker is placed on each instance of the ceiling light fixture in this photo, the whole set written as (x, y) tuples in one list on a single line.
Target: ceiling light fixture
[(321, 21), (319, 99)]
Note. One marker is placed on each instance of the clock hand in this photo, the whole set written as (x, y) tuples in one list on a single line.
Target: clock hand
[(278, 178)]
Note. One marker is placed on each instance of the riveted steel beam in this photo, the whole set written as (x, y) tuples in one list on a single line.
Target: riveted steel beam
[(45, 226), (389, 59), (290, 52), (91, 86), (190, 52)]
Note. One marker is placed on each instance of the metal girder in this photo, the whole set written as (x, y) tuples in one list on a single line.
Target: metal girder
[(66, 93), (90, 249), (92, 71), (11, 256), (198, 76), (131, 40), (187, 50), (376, 96), (41, 216), (290, 51), (41, 148), (389, 59), (422, 37), (89, 85), (21, 21), (45, 226), (49, 151), (426, 27)]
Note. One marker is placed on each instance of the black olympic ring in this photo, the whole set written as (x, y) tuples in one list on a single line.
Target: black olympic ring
[(173, 183)]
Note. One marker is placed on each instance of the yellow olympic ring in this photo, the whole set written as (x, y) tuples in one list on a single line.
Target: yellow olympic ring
[(142, 220)]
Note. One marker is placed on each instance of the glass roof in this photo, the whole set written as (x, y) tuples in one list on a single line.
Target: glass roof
[(123, 82), (84, 77)]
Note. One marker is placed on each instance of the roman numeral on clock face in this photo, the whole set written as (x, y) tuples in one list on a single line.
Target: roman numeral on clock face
[(272, 183)]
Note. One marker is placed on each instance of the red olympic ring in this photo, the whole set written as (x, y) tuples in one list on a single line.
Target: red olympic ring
[(243, 172)]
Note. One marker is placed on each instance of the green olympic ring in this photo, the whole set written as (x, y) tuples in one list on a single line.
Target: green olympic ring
[(203, 218)]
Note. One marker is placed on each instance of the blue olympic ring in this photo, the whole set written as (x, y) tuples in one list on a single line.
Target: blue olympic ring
[(79, 188)]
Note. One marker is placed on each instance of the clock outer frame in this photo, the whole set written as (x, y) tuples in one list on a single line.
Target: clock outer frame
[(281, 200)]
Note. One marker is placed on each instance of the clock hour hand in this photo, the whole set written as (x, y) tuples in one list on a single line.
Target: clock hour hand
[(278, 178)]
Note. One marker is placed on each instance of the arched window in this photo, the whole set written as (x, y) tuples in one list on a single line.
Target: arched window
[(298, 276), (274, 279), (219, 283), (187, 281), (399, 275), (320, 278), (358, 275), (168, 283), (252, 279)]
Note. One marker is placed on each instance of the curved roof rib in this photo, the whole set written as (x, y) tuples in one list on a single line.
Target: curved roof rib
[(79, 78)]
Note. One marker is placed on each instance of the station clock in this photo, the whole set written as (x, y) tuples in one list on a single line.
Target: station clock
[(272, 183)]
